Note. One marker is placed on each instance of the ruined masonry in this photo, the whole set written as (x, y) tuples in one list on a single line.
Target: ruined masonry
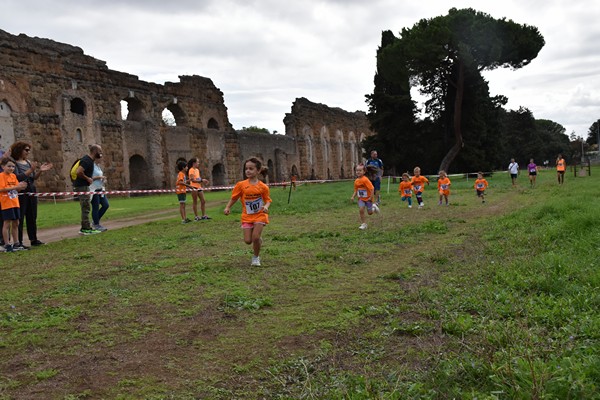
[(61, 100)]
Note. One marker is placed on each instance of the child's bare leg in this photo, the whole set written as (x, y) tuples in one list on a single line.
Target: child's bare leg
[(361, 213), (202, 203), (15, 231), (256, 238), (182, 211), (5, 232), (195, 203)]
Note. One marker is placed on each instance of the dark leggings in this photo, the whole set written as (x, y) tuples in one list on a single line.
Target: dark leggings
[(29, 207)]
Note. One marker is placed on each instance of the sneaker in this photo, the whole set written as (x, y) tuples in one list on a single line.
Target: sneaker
[(186, 221), (89, 232), (409, 206), (255, 261), (205, 217), (376, 209), (19, 247), (362, 227), (8, 248), (439, 203), (197, 218), (99, 228), (37, 243)]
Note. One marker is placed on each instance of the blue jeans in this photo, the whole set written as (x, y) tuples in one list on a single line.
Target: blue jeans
[(99, 207)]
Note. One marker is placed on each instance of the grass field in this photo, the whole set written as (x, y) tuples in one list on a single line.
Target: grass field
[(488, 301)]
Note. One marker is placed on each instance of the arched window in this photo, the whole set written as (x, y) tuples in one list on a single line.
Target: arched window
[(79, 135), (78, 106), (213, 124), (132, 109)]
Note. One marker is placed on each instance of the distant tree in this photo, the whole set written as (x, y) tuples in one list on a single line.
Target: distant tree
[(442, 54), (391, 115), (256, 129), (593, 133)]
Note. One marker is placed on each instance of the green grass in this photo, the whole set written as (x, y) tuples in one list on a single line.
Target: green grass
[(494, 301)]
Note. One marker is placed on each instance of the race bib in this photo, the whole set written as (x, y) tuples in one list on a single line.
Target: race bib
[(444, 187), (417, 188), (13, 194), (480, 186), (254, 206), (407, 191), (532, 170), (362, 193)]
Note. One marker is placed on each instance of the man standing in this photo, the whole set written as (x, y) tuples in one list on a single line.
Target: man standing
[(513, 170), (376, 163), (561, 166), (82, 184)]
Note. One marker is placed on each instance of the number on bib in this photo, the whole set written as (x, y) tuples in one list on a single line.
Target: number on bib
[(254, 206)]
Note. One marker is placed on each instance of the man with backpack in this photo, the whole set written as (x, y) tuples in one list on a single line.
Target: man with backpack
[(83, 179)]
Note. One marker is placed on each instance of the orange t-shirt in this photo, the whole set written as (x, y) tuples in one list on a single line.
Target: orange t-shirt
[(363, 188), (561, 164), (405, 189), (444, 186), (253, 198), (180, 188), (418, 183), (194, 174), (481, 184), (8, 199)]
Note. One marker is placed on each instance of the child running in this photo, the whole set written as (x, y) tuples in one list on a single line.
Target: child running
[(255, 198), (480, 185), (196, 181), (180, 189), (418, 182), (364, 190), (406, 188), (9, 202), (444, 187)]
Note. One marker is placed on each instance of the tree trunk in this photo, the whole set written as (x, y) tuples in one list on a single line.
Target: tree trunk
[(454, 150)]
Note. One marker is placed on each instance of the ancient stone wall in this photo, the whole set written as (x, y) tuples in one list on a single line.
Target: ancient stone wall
[(61, 100)]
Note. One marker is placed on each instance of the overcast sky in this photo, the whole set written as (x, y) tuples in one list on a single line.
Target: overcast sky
[(263, 54)]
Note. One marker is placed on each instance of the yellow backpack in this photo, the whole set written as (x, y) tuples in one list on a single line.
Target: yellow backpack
[(74, 170)]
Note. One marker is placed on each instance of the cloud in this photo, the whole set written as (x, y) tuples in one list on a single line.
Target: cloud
[(265, 53)]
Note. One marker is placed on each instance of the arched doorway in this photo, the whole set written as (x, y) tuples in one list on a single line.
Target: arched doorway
[(138, 173), (218, 175)]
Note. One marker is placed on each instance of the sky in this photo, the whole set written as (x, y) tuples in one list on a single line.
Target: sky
[(263, 54)]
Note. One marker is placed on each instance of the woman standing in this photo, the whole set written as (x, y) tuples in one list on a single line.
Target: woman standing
[(27, 171), (99, 201)]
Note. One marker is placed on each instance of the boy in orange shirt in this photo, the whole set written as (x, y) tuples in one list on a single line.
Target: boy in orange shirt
[(9, 201), (406, 188), (364, 190), (443, 187), (418, 181), (180, 188), (256, 200), (480, 185)]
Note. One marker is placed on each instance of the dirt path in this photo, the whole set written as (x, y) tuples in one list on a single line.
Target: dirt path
[(50, 235)]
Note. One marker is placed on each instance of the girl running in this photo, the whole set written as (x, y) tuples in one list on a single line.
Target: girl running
[(365, 191), (255, 198), (444, 187)]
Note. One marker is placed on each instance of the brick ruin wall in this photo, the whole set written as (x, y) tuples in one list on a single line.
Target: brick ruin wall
[(61, 100)]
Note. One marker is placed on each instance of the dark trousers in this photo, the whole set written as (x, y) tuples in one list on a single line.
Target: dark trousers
[(29, 208), (99, 207)]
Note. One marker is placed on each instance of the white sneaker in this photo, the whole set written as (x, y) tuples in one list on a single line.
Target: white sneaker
[(362, 227), (255, 261), (375, 208), (409, 206), (421, 205)]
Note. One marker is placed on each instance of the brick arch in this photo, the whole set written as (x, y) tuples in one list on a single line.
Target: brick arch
[(325, 151)]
